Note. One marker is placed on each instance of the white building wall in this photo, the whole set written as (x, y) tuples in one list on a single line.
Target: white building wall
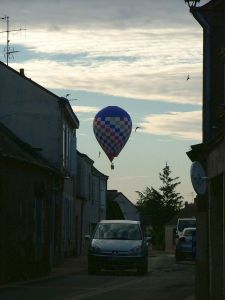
[(103, 198), (90, 185)]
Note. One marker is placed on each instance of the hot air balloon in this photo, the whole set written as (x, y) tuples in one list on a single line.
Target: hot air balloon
[(112, 127)]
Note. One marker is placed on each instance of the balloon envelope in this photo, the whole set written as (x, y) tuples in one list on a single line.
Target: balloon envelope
[(112, 127)]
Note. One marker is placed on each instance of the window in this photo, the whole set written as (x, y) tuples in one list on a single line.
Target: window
[(38, 227), (89, 187), (118, 231), (66, 141)]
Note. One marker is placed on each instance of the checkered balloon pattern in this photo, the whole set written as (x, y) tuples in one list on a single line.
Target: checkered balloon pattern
[(112, 128)]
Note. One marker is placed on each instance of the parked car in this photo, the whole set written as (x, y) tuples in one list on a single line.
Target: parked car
[(183, 223), (118, 244), (184, 245)]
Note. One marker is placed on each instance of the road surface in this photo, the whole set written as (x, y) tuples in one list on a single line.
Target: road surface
[(166, 280)]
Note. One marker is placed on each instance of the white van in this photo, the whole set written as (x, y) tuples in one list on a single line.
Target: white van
[(184, 223)]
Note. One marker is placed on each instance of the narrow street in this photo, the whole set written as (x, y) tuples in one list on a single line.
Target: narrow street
[(166, 280)]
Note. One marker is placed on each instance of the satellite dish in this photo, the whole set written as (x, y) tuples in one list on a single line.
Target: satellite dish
[(198, 178)]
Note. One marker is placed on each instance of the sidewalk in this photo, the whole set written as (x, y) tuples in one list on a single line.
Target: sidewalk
[(70, 265)]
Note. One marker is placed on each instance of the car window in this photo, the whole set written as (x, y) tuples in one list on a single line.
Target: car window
[(188, 232), (118, 231), (186, 223)]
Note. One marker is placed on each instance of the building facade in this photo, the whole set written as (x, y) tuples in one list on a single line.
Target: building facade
[(48, 124), (210, 261), (91, 199), (30, 234)]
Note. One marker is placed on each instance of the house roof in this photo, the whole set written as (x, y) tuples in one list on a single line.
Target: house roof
[(199, 152), (69, 111), (113, 194), (209, 5), (13, 148), (98, 173), (214, 6), (63, 101), (91, 162), (189, 211), (195, 151), (85, 156)]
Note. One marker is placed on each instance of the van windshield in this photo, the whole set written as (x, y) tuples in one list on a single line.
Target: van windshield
[(118, 231), (188, 231), (186, 223)]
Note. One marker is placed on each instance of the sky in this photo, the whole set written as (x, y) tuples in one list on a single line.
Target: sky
[(133, 54)]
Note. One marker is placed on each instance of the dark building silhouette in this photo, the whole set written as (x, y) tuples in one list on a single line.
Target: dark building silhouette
[(27, 187), (210, 153)]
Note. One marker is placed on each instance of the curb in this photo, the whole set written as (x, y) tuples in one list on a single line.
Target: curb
[(69, 266)]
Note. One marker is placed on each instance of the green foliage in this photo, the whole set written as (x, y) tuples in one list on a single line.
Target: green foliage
[(172, 199), (158, 207)]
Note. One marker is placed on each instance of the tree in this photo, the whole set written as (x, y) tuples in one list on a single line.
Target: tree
[(173, 201), (158, 207)]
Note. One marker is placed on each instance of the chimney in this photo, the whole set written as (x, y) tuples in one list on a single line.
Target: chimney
[(22, 72)]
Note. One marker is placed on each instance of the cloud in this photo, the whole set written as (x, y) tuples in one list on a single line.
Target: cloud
[(179, 125), (139, 53), (82, 134), (85, 109), (98, 13), (131, 64), (127, 178)]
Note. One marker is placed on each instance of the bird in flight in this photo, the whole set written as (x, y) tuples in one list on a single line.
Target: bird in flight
[(137, 128)]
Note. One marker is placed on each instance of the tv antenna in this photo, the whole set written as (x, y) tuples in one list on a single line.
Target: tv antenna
[(9, 51)]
